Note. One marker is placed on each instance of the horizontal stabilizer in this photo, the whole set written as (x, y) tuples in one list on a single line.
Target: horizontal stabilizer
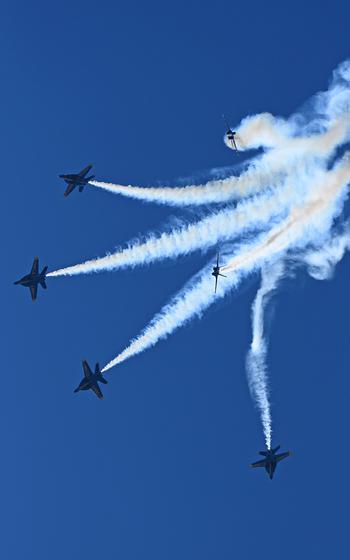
[(43, 284)]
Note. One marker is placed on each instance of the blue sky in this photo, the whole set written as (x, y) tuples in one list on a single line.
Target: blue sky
[(159, 469)]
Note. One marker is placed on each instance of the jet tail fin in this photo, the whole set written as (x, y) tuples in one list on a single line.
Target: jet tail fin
[(100, 376), (43, 284), (44, 271)]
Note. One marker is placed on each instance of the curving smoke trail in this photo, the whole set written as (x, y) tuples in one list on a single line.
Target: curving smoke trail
[(304, 227), (255, 214), (250, 215), (298, 151), (294, 193), (196, 296), (313, 133), (289, 154), (256, 358)]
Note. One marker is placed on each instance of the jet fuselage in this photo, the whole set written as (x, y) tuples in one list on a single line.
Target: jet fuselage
[(30, 280), (271, 458), (91, 380), (34, 278), (86, 383)]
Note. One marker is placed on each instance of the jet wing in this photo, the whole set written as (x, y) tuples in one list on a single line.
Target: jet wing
[(216, 283), (35, 266), (281, 456), (97, 390), (85, 171), (261, 463), (69, 189), (87, 370), (33, 291)]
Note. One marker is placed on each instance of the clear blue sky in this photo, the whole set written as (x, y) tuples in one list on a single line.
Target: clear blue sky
[(159, 469)]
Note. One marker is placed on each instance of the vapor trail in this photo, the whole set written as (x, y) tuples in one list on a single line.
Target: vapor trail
[(312, 133), (191, 301), (303, 227), (250, 215), (289, 155), (256, 358)]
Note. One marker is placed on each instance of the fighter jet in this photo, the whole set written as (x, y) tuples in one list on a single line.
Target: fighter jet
[(34, 278), (271, 460), (77, 180), (230, 135), (91, 380), (216, 272)]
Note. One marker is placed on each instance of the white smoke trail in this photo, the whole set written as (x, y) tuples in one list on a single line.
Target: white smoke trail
[(256, 358), (225, 225), (191, 301), (250, 215), (271, 169), (303, 227), (314, 132), (299, 150)]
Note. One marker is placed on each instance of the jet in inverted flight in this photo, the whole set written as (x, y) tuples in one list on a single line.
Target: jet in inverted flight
[(216, 272), (271, 460), (34, 278), (91, 380), (77, 180), (230, 135)]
